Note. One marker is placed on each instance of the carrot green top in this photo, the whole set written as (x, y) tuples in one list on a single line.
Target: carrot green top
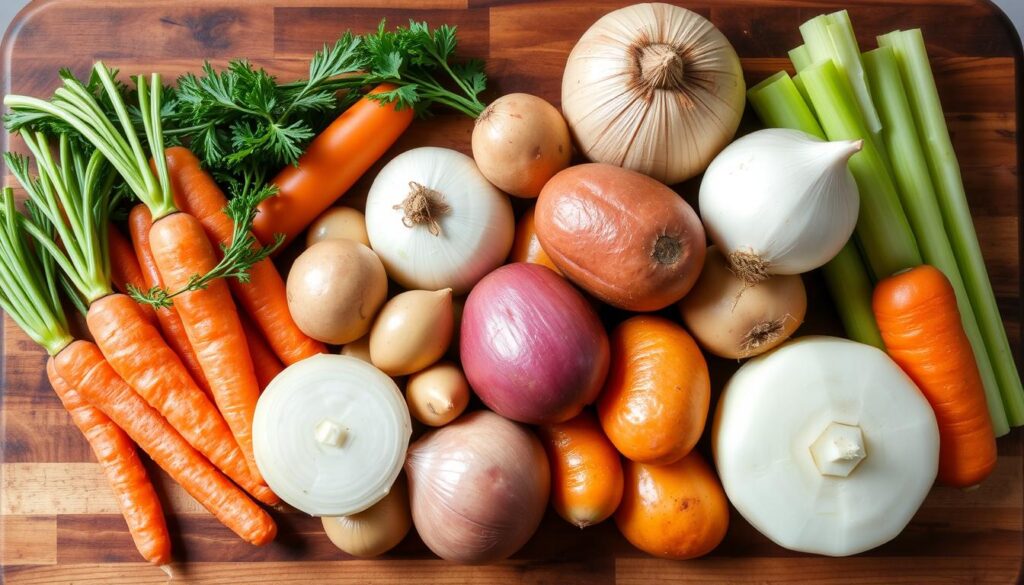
[(28, 292), (70, 203), (74, 104)]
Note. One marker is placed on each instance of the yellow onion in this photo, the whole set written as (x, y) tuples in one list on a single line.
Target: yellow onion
[(654, 88), (375, 530)]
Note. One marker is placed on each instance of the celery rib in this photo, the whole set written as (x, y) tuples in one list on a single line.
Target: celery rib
[(933, 135), (882, 226), (917, 193)]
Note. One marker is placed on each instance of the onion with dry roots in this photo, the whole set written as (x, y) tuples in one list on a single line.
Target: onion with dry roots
[(436, 222), (734, 319), (654, 88), (519, 142)]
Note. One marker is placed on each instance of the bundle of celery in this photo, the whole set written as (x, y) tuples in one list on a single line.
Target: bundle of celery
[(913, 206)]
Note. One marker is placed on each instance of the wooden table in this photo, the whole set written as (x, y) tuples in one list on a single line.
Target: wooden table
[(59, 521)]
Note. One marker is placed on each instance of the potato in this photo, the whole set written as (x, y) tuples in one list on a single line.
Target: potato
[(338, 223), (335, 289), (519, 142), (624, 237)]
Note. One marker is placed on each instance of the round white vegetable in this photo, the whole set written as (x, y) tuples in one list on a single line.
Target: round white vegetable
[(825, 445), (780, 201), (330, 435), (436, 222)]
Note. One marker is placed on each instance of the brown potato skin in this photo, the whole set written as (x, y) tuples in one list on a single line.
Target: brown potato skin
[(600, 224)]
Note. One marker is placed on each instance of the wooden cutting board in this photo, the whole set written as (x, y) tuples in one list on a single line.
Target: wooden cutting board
[(58, 520)]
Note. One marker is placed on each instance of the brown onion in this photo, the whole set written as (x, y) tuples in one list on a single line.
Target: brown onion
[(478, 488), (532, 347)]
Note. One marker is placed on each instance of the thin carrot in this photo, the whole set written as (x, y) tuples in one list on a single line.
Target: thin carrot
[(332, 163), (263, 297), (82, 365), (124, 470), (139, 223), (28, 295), (124, 267), (181, 250), (264, 362), (134, 348), (920, 324)]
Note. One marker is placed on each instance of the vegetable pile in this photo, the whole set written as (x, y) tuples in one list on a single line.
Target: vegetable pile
[(448, 360)]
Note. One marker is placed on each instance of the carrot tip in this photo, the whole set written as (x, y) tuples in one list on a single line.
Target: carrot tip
[(168, 570)]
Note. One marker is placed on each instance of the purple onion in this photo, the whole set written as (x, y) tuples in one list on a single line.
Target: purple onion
[(532, 347)]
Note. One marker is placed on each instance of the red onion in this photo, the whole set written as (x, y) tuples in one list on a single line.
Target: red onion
[(478, 488), (532, 347)]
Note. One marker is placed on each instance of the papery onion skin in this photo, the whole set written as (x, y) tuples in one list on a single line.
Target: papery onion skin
[(532, 347), (666, 126), (623, 237), (478, 487), (464, 232), (737, 320)]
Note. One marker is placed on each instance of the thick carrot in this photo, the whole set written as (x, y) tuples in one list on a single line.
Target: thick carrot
[(920, 324), (124, 470), (139, 223), (124, 267), (263, 297), (333, 163), (264, 362), (181, 250), (137, 352), (82, 365)]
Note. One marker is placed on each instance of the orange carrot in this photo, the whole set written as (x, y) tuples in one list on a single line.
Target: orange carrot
[(82, 365), (181, 250), (330, 166), (263, 297), (135, 350), (920, 324), (264, 362), (139, 222), (116, 453), (124, 267)]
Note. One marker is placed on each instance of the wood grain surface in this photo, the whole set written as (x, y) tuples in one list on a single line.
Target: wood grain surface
[(58, 521)]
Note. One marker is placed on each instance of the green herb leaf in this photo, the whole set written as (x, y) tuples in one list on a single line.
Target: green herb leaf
[(239, 257)]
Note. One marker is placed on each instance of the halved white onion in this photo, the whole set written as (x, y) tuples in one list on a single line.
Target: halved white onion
[(330, 435)]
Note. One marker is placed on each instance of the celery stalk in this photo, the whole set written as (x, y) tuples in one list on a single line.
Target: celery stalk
[(800, 57), (830, 36), (882, 227), (779, 104), (799, 83), (915, 69), (917, 193)]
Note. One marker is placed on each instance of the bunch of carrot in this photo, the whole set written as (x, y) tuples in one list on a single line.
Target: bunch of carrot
[(181, 382)]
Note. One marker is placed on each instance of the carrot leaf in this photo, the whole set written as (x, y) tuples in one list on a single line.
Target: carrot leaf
[(238, 257)]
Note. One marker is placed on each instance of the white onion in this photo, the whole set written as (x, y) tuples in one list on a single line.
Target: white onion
[(436, 222), (825, 445), (780, 201), (330, 435)]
